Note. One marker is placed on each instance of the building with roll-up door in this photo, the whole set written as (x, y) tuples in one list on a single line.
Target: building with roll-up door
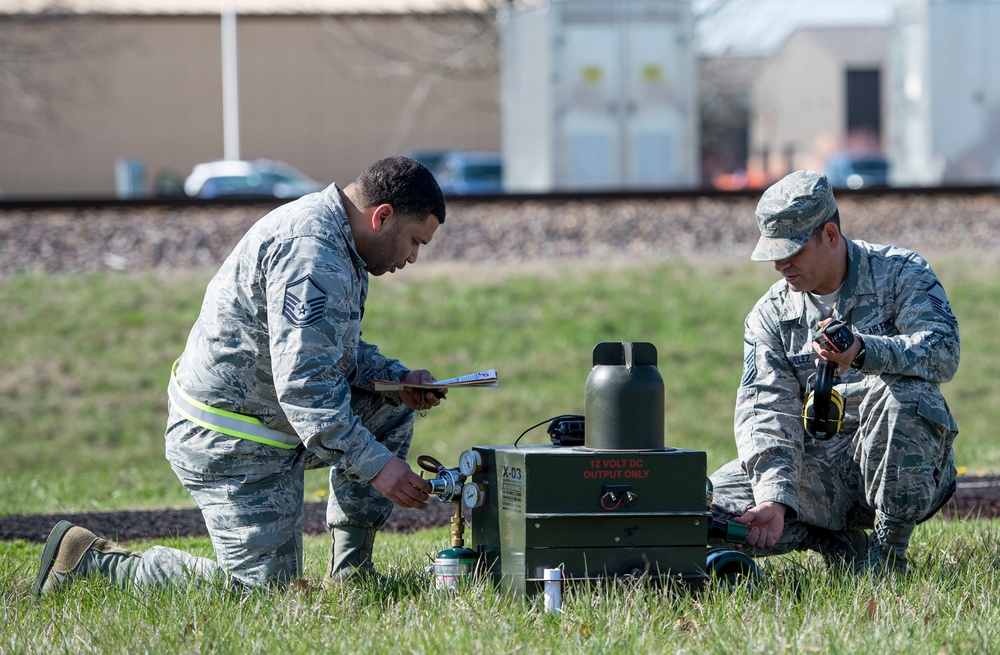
[(599, 95), (821, 93)]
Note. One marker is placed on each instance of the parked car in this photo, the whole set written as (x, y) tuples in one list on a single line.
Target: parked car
[(851, 171), (466, 172), (267, 178), (429, 157)]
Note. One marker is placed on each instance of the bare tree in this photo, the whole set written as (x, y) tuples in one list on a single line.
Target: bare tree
[(466, 47), (459, 43), (44, 54), (724, 99)]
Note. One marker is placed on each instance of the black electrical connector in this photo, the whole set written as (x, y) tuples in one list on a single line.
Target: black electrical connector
[(567, 430), (615, 496)]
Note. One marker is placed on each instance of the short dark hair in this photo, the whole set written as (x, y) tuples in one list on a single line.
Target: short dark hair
[(404, 183), (835, 219)]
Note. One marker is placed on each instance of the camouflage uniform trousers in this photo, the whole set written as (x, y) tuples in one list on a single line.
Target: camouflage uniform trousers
[(897, 462), (251, 496), (358, 504)]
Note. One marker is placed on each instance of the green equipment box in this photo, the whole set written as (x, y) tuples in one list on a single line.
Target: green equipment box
[(594, 513)]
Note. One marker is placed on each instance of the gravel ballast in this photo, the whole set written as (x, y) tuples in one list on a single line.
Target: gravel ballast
[(137, 238)]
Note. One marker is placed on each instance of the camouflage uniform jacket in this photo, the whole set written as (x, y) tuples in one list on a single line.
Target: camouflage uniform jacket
[(891, 297), (279, 334)]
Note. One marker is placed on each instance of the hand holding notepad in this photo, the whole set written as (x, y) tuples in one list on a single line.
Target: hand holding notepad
[(486, 378)]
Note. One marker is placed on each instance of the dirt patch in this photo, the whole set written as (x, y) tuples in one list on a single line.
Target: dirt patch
[(132, 525), (977, 497)]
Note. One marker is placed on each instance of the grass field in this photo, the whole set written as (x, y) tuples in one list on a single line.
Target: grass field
[(950, 605), (85, 361), (82, 386)]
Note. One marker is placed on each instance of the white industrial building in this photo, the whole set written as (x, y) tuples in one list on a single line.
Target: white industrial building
[(599, 95), (944, 93)]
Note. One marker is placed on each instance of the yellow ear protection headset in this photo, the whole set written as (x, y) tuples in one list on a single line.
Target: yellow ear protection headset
[(823, 411)]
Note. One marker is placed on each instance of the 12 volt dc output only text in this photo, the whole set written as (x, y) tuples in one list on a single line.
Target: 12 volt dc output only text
[(616, 468)]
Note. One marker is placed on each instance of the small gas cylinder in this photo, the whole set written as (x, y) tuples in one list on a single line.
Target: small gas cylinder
[(624, 398), (452, 568)]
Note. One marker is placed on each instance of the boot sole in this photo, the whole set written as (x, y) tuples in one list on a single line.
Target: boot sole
[(49, 554)]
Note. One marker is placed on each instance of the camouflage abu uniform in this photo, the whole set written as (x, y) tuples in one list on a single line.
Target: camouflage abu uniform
[(294, 334), (894, 452), (279, 339), (275, 379)]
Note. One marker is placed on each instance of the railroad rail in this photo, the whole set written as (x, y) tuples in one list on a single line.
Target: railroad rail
[(8, 204)]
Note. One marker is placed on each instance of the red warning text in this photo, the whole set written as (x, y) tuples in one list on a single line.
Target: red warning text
[(616, 468)]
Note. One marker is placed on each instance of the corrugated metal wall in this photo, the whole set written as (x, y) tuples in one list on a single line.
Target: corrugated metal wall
[(328, 95)]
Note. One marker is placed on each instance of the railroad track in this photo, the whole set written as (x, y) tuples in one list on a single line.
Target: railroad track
[(27, 204), (71, 236)]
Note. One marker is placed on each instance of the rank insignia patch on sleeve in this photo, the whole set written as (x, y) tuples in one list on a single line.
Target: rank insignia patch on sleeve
[(304, 302), (939, 302)]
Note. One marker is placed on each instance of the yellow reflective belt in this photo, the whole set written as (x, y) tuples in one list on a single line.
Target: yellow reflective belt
[(231, 423)]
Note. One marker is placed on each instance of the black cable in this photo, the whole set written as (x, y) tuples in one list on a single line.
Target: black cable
[(548, 420)]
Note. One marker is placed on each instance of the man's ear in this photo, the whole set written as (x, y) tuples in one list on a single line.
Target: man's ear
[(382, 217), (832, 234)]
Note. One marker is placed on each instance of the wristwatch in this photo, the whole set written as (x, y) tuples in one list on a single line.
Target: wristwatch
[(859, 359)]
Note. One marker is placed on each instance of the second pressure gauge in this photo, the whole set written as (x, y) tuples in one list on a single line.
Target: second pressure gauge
[(473, 495)]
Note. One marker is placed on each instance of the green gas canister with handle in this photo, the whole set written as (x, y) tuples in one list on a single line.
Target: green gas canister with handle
[(624, 398)]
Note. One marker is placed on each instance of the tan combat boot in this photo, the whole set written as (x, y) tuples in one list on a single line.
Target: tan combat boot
[(351, 554), (71, 551)]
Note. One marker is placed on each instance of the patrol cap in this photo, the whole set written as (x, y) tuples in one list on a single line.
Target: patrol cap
[(789, 211)]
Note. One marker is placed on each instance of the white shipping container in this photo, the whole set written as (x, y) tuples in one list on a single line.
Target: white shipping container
[(945, 98), (598, 95)]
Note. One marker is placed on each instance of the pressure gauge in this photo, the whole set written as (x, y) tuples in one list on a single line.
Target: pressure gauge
[(470, 462), (473, 494)]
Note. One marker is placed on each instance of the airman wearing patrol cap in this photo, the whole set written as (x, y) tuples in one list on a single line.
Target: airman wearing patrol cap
[(789, 211), (891, 465)]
